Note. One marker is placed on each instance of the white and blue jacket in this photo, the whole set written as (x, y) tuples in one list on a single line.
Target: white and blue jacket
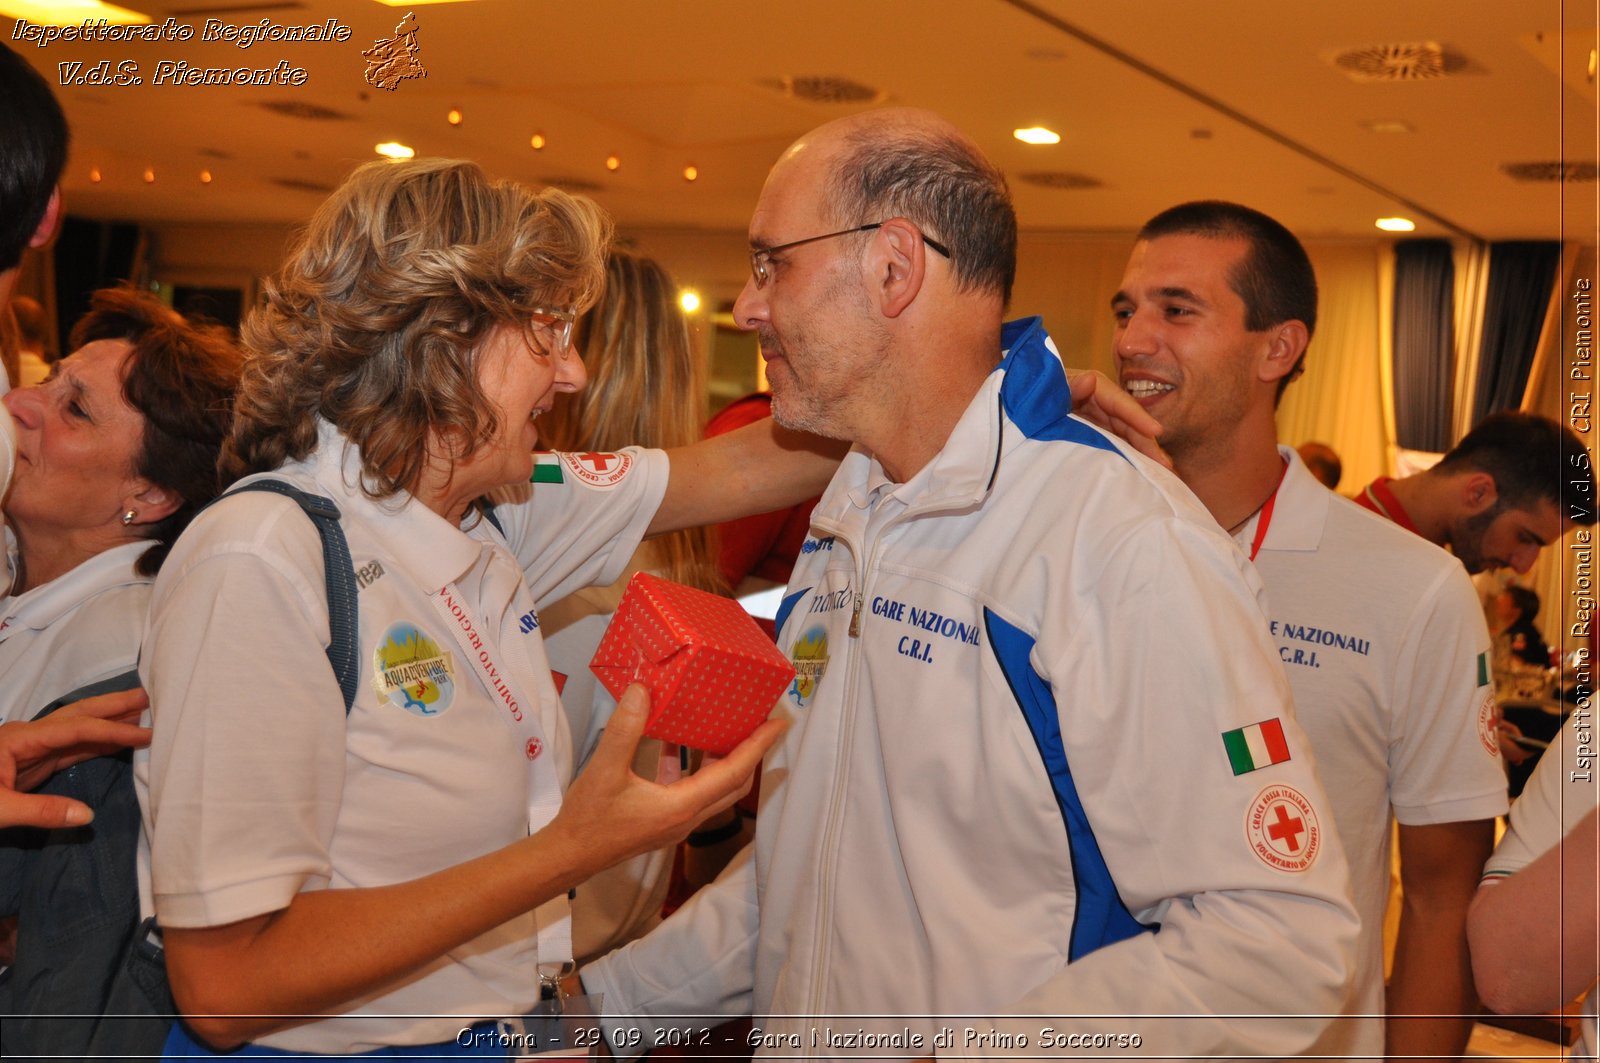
[(1006, 790)]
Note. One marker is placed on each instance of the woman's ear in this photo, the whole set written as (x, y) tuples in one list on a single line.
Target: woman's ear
[(151, 504)]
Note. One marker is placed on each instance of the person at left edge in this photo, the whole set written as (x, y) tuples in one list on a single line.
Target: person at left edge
[(330, 884)]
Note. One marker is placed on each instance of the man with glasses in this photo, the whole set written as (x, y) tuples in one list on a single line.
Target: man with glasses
[(1024, 656)]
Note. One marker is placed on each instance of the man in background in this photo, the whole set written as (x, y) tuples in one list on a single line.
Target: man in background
[(1215, 311), (1514, 484), (33, 151)]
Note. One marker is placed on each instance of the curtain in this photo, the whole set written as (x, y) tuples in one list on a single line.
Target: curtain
[(1521, 275), (1424, 344), (1472, 289)]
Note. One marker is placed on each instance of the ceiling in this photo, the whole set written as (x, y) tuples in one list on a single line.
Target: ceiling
[(1156, 100)]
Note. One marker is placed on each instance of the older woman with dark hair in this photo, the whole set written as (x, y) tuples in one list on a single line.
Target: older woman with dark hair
[(115, 452), (333, 883)]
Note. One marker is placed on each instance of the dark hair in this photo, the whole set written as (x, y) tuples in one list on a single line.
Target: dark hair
[(941, 183), (181, 378), (1275, 278), (35, 150), (1526, 599), (1532, 458)]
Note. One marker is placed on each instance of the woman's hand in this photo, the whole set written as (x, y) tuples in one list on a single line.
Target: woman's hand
[(618, 814), (32, 751), (1097, 399)]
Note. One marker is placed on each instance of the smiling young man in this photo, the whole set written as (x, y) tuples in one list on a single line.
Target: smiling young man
[(1514, 484), (1023, 654), (1379, 632)]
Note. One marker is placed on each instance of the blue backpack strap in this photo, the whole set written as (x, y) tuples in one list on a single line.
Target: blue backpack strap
[(489, 515), (339, 574)]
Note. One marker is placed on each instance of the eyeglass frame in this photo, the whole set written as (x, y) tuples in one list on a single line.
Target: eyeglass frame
[(762, 274), (567, 319)]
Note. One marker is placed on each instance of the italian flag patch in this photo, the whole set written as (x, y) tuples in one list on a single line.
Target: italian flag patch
[(1257, 746), (546, 469), (1483, 669)]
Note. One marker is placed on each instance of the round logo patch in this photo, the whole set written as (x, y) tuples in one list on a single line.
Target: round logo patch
[(598, 470), (410, 670), (534, 748), (810, 660), (1282, 829), (1488, 724)]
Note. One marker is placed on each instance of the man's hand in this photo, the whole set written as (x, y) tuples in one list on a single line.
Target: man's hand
[(32, 751), (1097, 399)]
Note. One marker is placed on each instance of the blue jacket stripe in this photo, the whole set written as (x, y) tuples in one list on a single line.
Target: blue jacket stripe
[(1035, 393), (787, 607), (1100, 917)]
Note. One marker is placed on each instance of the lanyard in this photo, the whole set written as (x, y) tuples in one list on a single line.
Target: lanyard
[(481, 652), (1264, 520)]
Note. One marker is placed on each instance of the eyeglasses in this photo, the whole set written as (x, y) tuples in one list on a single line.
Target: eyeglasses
[(761, 268), (558, 323)]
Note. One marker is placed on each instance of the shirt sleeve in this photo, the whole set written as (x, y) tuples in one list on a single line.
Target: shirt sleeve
[(1560, 792), (583, 529), (1157, 666), (699, 963), (247, 760), (1444, 762)]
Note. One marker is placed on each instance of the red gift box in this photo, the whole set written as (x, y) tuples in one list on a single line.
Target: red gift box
[(712, 674)]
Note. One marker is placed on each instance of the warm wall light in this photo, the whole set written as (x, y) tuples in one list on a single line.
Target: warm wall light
[(205, 177), (689, 299), (454, 117), (1396, 225), (149, 176), (94, 176), (691, 173), (390, 149), (613, 163), (536, 142), (1037, 134), (70, 12)]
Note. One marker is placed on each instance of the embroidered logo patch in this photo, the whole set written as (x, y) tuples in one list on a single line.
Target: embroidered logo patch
[(1488, 724), (411, 671), (1282, 829), (598, 470), (810, 660), (1258, 746)]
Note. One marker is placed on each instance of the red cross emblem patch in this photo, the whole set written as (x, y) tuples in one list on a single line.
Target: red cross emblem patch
[(598, 469), (534, 748), (1282, 828)]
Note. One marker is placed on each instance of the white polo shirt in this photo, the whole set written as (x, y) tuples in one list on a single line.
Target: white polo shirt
[(260, 788), (1381, 636), (80, 628)]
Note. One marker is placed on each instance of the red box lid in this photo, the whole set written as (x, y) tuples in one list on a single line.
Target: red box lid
[(712, 674)]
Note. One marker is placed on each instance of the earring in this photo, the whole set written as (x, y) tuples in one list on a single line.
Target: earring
[(129, 517)]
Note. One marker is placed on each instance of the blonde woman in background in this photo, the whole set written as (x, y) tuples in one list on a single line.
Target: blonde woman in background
[(646, 386)]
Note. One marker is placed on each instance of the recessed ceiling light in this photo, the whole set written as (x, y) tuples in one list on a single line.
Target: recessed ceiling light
[(1037, 134), (69, 13), (1396, 225), (454, 117), (691, 173), (536, 142), (613, 163), (1388, 125), (94, 176), (205, 177), (689, 299), (390, 149), (417, 3), (149, 176)]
